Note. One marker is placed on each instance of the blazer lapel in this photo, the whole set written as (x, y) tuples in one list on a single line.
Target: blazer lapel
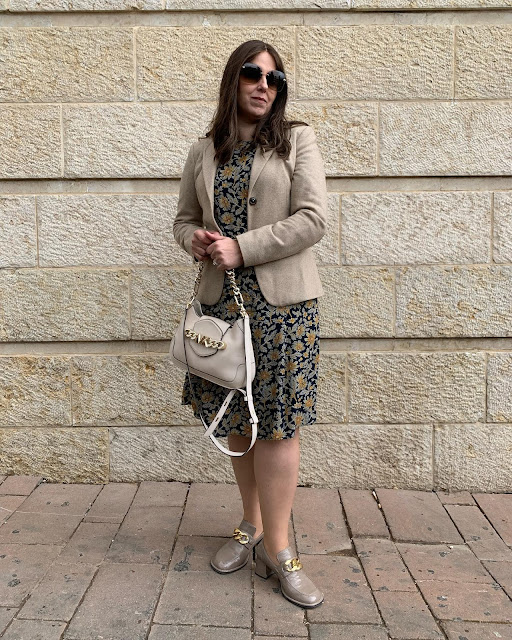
[(210, 165)]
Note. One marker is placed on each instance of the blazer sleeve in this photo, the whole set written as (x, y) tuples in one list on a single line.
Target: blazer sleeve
[(189, 216), (307, 221)]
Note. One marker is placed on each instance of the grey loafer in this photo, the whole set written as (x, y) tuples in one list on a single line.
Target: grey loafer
[(295, 584), (235, 553)]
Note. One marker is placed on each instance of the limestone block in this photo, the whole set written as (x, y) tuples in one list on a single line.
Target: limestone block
[(357, 302), (429, 4), (18, 245), (245, 5), (102, 230), (166, 454), (445, 138), (86, 5), (47, 305), (34, 391), (454, 301), (416, 387), (331, 404), (503, 226), (66, 64), (499, 388), (483, 61), (149, 140), (365, 456), (473, 457), (415, 227), (30, 141), (57, 454), (167, 71), (346, 135), (158, 299), (357, 62), (327, 251), (128, 390)]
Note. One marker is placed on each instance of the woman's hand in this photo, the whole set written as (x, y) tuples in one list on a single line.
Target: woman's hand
[(224, 251), (199, 244)]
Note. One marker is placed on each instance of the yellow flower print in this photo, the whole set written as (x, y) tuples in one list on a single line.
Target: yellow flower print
[(291, 366), (311, 337), (223, 204), (244, 193), (298, 346), (264, 375), (257, 333), (228, 171), (247, 429), (235, 418), (277, 433), (227, 218), (274, 354), (309, 403), (301, 382), (300, 330), (278, 338), (298, 419)]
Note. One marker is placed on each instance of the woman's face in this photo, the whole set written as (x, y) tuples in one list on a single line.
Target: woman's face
[(255, 100)]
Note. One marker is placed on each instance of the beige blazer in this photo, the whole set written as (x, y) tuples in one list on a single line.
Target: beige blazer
[(286, 216)]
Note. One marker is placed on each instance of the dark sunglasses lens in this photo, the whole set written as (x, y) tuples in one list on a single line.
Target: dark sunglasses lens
[(276, 79), (250, 71)]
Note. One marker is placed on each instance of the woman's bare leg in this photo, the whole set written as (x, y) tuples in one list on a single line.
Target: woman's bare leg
[(243, 468), (276, 471)]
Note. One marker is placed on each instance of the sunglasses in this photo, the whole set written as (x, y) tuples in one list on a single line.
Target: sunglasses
[(251, 73)]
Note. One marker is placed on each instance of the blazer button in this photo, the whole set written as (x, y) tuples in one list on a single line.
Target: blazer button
[(253, 200)]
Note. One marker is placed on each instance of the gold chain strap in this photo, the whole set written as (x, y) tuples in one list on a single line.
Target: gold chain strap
[(293, 564), (234, 287), (242, 537)]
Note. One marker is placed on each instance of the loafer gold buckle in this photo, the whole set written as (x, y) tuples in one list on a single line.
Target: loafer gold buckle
[(293, 564), (242, 537)]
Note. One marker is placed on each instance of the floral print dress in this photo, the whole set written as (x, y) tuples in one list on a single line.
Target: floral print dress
[(285, 339)]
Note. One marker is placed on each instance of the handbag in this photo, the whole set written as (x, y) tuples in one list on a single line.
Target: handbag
[(216, 350)]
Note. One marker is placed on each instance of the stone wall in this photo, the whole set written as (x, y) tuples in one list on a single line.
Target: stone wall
[(411, 101)]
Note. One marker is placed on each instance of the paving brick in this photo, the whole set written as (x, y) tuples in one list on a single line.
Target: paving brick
[(318, 521), (8, 505), (58, 594), (502, 574), (193, 553), (363, 515), (21, 568), (118, 604), (478, 533), (160, 494), (477, 631), (442, 562), (212, 510), (498, 510), (383, 565), (19, 485), (455, 497), (146, 535), (38, 528), (112, 503), (476, 602), (180, 632), (206, 598), (89, 543), (6, 615), (347, 632), (34, 630), (348, 597), (273, 614), (417, 516), (407, 616), (61, 499)]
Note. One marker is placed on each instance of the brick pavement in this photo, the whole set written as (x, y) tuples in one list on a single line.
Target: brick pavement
[(127, 561)]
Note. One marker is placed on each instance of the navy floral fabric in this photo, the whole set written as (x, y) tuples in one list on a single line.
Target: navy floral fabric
[(285, 339)]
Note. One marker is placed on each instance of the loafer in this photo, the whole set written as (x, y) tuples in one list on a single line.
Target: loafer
[(295, 584), (235, 553)]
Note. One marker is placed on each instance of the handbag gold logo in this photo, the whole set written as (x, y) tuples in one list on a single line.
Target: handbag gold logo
[(205, 340)]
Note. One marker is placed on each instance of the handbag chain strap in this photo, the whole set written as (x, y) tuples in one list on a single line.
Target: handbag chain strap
[(234, 288)]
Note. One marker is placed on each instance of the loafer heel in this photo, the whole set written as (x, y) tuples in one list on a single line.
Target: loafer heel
[(235, 553), (295, 584)]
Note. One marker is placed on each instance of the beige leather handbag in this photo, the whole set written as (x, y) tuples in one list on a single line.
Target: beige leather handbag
[(216, 350)]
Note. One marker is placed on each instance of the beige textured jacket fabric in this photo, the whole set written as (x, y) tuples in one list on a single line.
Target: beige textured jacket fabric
[(286, 216)]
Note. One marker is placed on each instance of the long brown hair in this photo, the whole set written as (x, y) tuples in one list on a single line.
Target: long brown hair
[(271, 131)]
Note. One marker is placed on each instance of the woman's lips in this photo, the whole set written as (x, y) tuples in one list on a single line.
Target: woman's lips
[(259, 99)]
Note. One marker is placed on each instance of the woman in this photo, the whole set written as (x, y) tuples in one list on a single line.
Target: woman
[(253, 198)]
